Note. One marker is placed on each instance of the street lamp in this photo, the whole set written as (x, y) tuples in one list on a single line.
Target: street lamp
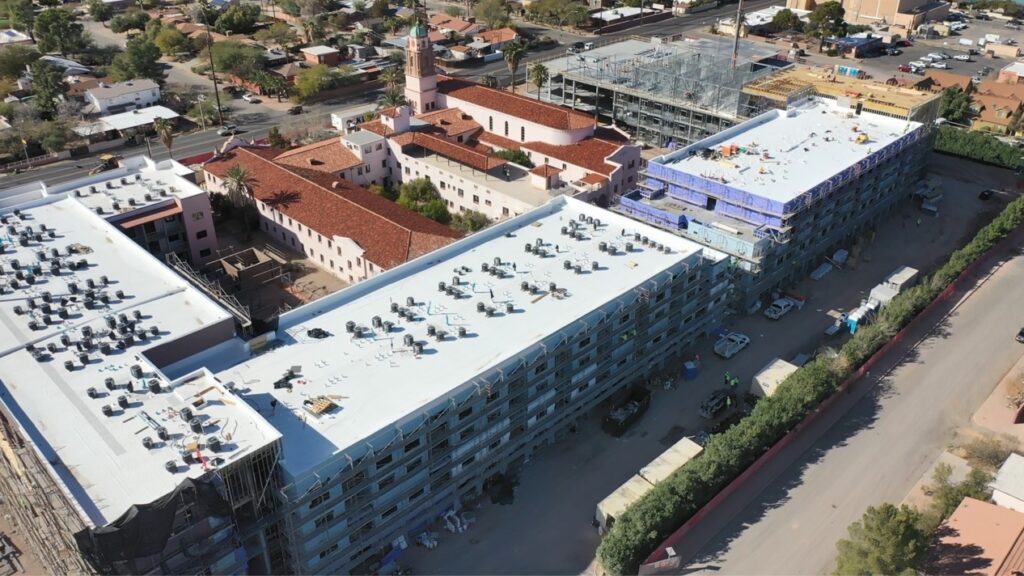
[(203, 7)]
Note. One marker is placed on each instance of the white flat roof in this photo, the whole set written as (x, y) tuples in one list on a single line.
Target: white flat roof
[(130, 119), (319, 50), (377, 381), (101, 459), (785, 153), (138, 183), (1010, 478)]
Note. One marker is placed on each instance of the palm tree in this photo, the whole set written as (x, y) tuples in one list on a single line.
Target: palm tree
[(539, 76), (392, 99), (165, 130), (514, 52), (238, 181), (393, 77)]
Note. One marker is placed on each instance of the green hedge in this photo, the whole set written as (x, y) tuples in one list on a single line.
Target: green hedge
[(977, 146), (651, 519)]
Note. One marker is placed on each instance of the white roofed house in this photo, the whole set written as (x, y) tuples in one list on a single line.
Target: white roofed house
[(121, 96)]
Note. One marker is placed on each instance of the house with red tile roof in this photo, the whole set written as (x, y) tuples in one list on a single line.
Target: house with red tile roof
[(497, 38), (454, 25), (346, 229)]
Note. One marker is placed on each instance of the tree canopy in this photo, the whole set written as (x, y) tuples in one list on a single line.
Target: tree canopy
[(955, 104), (171, 41), (57, 30), (14, 58), (826, 21), (239, 19), (100, 11), (140, 59), (494, 13), (379, 9), (49, 87), (419, 195), (132, 20), (236, 58), (977, 146), (785, 20), (279, 34), (886, 540)]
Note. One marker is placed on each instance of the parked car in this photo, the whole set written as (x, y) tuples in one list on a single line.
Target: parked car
[(985, 194), (962, 57), (1012, 26), (904, 68), (576, 48), (918, 64), (227, 130), (250, 97), (294, 110), (893, 51), (1020, 336), (779, 308), (940, 65), (937, 56), (730, 344), (588, 46), (716, 403)]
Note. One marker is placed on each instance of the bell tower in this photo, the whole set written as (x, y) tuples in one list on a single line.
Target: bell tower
[(420, 72)]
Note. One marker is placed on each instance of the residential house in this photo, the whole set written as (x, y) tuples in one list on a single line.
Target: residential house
[(497, 39), (10, 37), (939, 80), (1011, 73), (120, 96), (449, 25), (979, 539), (322, 55), (997, 107), (462, 52), (1008, 485), (340, 226), (290, 70)]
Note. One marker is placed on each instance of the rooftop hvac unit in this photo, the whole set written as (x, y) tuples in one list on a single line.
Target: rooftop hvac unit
[(462, 331)]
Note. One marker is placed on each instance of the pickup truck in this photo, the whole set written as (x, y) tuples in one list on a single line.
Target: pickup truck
[(728, 345), (779, 308)]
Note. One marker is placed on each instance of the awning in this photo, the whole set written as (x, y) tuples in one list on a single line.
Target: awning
[(151, 216)]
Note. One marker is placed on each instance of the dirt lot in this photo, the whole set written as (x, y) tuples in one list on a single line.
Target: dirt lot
[(547, 529)]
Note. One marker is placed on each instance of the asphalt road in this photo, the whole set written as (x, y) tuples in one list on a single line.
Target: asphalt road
[(897, 425)]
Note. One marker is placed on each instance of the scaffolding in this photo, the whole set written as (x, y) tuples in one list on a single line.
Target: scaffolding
[(678, 91)]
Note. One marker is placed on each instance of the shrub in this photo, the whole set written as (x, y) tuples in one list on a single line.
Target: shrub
[(516, 157), (977, 146), (988, 452), (673, 501)]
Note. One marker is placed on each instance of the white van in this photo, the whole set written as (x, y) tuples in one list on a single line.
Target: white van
[(588, 46)]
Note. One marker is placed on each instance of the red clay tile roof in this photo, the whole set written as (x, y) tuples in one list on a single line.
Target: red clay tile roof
[(454, 151), (593, 179), (450, 22), (1015, 91), (435, 36), (391, 112), (328, 156), (516, 105), (450, 121), (388, 233), (498, 36), (949, 79), (460, 48), (377, 127), (589, 154), (546, 170)]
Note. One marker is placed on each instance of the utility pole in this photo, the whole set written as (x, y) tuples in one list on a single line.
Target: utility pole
[(736, 33), (203, 7)]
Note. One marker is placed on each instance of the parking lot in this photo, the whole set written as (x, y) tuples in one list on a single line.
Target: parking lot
[(547, 528), (882, 67)]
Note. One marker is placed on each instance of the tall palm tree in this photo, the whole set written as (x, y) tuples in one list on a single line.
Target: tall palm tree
[(239, 181), (392, 99), (514, 52), (393, 77), (539, 75), (165, 131)]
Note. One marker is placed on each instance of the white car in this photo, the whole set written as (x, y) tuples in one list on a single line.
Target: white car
[(938, 55), (779, 308), (962, 57), (940, 65), (730, 344), (918, 64), (250, 97)]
